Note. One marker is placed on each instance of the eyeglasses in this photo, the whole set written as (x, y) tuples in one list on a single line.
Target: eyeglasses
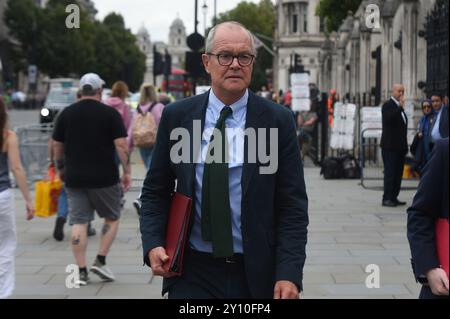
[(426, 106), (226, 59)]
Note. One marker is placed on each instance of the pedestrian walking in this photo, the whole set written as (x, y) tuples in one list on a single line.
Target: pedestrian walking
[(87, 136), (248, 231), (148, 111), (429, 204), (63, 206), (9, 160)]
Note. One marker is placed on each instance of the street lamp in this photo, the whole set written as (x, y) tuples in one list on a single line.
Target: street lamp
[(205, 11)]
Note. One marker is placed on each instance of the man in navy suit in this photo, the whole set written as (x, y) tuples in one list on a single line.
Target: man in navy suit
[(394, 145), (248, 231), (430, 203)]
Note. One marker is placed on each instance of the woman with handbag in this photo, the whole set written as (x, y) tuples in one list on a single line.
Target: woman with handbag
[(9, 160)]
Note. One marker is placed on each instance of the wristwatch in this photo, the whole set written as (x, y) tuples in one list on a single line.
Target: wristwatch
[(422, 280)]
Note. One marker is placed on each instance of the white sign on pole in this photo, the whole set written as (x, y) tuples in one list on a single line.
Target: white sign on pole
[(300, 92), (371, 122), (300, 79), (301, 105), (343, 131)]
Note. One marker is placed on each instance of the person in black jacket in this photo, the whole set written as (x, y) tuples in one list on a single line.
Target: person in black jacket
[(261, 254), (430, 203), (394, 145)]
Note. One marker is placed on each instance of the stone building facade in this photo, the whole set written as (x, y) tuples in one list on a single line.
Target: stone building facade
[(297, 30)]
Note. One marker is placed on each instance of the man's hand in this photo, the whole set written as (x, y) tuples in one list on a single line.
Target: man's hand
[(285, 290), (126, 182), (158, 258), (438, 281)]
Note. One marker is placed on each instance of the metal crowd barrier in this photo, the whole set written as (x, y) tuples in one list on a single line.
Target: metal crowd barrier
[(371, 162), (33, 147)]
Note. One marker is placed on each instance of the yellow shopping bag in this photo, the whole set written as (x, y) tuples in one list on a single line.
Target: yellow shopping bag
[(46, 195)]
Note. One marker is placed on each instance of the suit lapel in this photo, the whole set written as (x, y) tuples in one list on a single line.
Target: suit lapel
[(253, 121)]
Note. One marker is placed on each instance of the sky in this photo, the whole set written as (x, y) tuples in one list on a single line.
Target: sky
[(158, 15)]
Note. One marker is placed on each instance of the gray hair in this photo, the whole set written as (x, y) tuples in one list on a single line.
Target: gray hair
[(87, 90), (210, 38)]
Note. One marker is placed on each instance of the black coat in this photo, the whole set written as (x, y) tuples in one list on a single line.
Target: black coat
[(274, 207), (430, 203), (393, 137)]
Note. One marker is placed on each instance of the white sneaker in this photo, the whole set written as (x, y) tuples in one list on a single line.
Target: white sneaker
[(102, 271), (83, 280)]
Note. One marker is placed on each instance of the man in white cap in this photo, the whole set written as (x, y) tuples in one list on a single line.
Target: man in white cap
[(87, 136)]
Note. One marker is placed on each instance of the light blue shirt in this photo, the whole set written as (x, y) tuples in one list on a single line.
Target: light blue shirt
[(435, 135), (236, 155)]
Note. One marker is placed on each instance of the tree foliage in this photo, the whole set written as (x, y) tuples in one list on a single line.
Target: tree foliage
[(260, 20), (334, 12), (107, 47)]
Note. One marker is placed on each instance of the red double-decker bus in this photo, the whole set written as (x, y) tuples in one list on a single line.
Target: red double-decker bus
[(178, 84)]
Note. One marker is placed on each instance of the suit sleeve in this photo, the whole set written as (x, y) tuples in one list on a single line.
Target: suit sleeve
[(291, 207), (156, 191), (424, 211), (390, 111)]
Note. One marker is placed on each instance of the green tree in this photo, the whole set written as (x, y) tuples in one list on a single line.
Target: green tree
[(107, 48), (260, 20), (24, 21), (129, 59), (334, 12)]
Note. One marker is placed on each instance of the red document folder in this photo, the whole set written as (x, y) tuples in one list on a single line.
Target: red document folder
[(442, 239), (176, 232)]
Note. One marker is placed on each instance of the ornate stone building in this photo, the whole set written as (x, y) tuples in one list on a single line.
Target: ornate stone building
[(297, 30), (363, 63), (176, 47)]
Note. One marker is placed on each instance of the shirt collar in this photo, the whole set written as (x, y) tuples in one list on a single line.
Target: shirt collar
[(238, 107), (395, 100)]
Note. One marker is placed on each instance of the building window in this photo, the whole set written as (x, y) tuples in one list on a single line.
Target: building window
[(179, 41), (179, 31), (294, 23), (321, 25), (305, 18)]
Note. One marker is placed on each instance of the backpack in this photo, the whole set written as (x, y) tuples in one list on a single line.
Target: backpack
[(332, 168), (144, 129), (350, 167)]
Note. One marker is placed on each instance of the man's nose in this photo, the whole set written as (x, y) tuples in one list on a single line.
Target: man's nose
[(235, 63)]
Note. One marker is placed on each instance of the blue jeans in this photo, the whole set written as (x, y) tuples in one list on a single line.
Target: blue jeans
[(146, 154), (63, 208)]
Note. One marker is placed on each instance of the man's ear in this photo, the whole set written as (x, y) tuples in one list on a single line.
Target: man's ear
[(205, 60)]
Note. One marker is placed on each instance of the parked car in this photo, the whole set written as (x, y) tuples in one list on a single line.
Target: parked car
[(57, 99)]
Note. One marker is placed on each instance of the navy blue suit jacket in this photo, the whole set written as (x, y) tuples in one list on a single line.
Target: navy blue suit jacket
[(430, 203), (274, 207)]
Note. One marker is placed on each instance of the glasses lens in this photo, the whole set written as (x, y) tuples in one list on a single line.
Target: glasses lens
[(245, 59), (225, 59)]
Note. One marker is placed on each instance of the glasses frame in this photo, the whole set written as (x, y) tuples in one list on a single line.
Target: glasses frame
[(232, 60)]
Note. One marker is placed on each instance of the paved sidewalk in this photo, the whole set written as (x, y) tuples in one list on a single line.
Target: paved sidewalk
[(349, 229)]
